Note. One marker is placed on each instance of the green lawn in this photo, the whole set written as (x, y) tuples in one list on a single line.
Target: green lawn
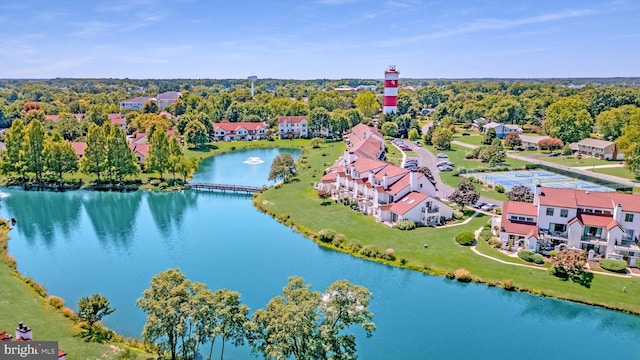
[(473, 139), (394, 155), (622, 172), (573, 161), (299, 206), (19, 303)]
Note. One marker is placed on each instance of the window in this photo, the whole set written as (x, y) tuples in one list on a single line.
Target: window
[(628, 217), (549, 211), (564, 212), (628, 235)]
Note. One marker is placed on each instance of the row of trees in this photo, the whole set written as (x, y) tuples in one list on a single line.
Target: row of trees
[(302, 324)]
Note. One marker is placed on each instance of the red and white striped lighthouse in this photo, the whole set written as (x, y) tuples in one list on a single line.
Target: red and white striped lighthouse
[(390, 99)]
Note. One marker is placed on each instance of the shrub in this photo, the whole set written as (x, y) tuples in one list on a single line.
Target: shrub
[(68, 312), (163, 185), (619, 266), (508, 285), (500, 189), (55, 301), (466, 238), (449, 275), (155, 182), (530, 256), (326, 235), (37, 288), (550, 144), (495, 242), (457, 214), (405, 224), (11, 261), (462, 275)]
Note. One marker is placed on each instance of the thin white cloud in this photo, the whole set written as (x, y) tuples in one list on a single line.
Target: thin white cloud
[(490, 24)]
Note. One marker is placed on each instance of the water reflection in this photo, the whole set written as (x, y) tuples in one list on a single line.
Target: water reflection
[(113, 216), (168, 209), (45, 215)]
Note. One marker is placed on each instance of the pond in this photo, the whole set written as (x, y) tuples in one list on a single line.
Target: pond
[(79, 243)]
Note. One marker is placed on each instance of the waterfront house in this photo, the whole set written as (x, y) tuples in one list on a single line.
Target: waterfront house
[(603, 149), (605, 224), (502, 130), (232, 131), (291, 127), (375, 187)]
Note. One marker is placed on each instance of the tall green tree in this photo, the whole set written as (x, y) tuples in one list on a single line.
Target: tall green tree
[(158, 159), (610, 123), (166, 303), (389, 128), (441, 138), (97, 116), (150, 107), (568, 120), (94, 160), (354, 117), (319, 119), (231, 317), (175, 156), (629, 145), (121, 161), (283, 167), (305, 324), (59, 156), (196, 133), (367, 104), (69, 127), (489, 136), (14, 158), (93, 308), (35, 149)]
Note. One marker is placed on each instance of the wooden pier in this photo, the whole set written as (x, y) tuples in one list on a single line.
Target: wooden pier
[(224, 188)]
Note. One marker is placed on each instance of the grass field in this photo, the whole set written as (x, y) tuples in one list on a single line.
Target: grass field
[(304, 212), (473, 139), (622, 172), (573, 161)]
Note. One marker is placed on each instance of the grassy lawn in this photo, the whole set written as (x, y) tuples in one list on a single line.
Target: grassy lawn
[(573, 161), (622, 172), (394, 155), (299, 202), (411, 153), (20, 303), (473, 139)]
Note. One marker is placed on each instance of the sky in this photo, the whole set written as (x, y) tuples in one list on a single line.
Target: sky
[(319, 39)]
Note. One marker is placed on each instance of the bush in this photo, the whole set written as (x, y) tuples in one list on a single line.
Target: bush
[(466, 238), (457, 214), (619, 266), (37, 288), (56, 301), (462, 275), (68, 312), (163, 185), (326, 235), (155, 182), (508, 285), (530, 256), (405, 224), (500, 189)]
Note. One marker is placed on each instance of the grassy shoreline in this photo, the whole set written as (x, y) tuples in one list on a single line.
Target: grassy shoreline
[(296, 205)]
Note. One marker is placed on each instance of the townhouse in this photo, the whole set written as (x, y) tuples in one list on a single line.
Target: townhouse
[(605, 224), (388, 192), (502, 130), (228, 131), (291, 127), (603, 149), (163, 100)]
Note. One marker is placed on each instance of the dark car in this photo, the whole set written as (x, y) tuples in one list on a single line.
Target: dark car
[(554, 153)]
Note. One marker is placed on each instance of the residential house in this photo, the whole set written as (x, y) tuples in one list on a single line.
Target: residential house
[(56, 118), (605, 224), (345, 88), (118, 120), (603, 149), (137, 103), (163, 100), (502, 130), (79, 148), (532, 142), (140, 151), (291, 127), (478, 123), (388, 192), (228, 131)]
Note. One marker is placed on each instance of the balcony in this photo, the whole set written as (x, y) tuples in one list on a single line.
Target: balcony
[(547, 234), (595, 240)]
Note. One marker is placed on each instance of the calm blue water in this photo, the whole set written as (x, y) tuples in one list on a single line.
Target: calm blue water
[(79, 243)]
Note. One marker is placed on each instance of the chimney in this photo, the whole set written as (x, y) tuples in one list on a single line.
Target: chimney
[(370, 179), (413, 180), (23, 332), (617, 213), (536, 195), (384, 181)]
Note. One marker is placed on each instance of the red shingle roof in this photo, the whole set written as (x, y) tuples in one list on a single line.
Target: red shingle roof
[(598, 220), (408, 202), (79, 147), (518, 227), (520, 208), (56, 118), (232, 127), (570, 198), (116, 119)]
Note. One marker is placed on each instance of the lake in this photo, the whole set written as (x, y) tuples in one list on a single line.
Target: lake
[(78, 243)]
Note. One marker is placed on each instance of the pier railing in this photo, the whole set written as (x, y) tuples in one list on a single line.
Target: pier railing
[(225, 187)]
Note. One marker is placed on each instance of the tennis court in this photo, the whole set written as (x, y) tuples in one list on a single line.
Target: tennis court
[(531, 178)]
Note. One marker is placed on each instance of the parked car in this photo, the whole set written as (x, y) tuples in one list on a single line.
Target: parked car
[(488, 207), (554, 153), (479, 204), (418, 143), (445, 168), (442, 156), (443, 163)]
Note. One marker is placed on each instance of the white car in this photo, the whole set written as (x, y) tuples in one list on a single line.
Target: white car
[(442, 156)]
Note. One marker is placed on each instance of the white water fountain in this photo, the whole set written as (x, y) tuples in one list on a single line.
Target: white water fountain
[(253, 160)]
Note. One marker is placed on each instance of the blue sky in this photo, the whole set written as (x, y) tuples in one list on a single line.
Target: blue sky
[(314, 39)]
